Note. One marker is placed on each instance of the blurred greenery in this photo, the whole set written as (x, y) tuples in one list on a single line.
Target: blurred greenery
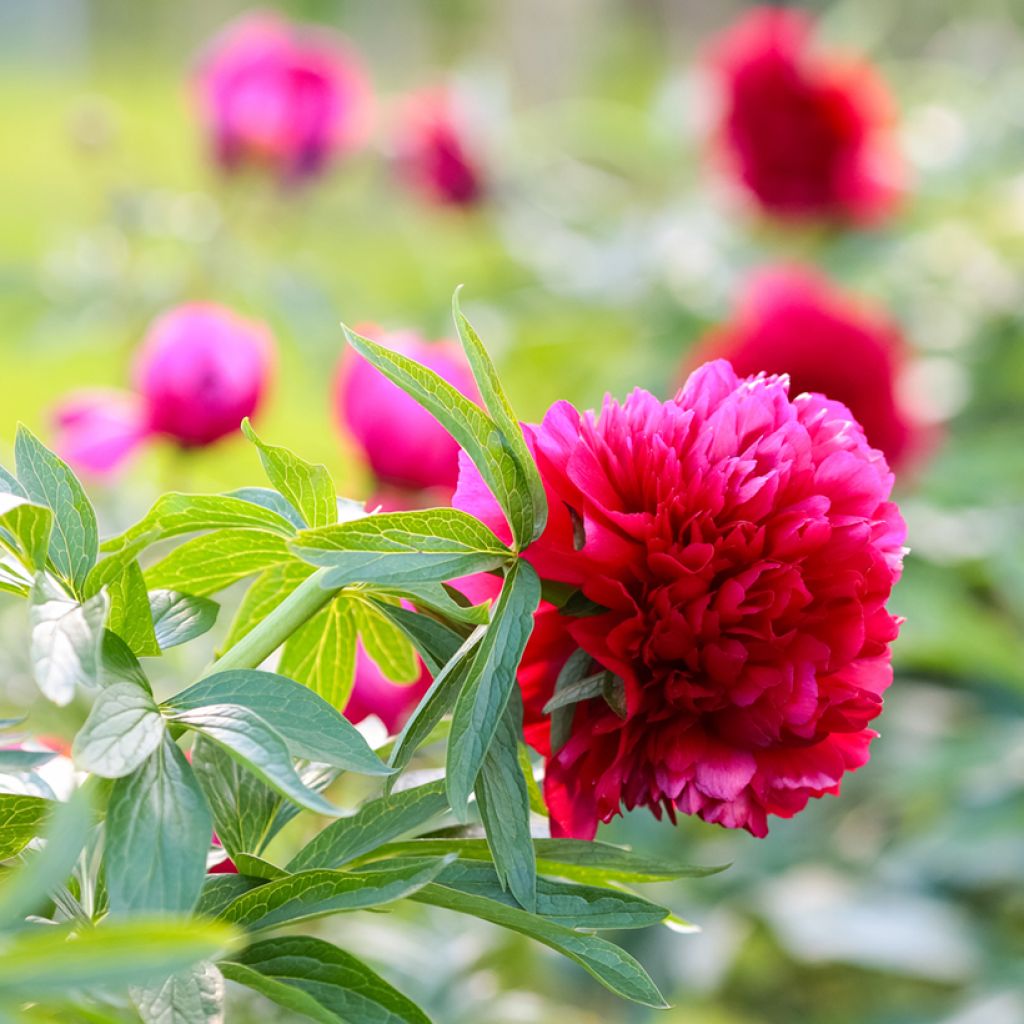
[(605, 248)]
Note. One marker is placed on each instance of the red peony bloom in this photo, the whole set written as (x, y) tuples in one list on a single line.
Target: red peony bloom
[(276, 95), (807, 134), (794, 321), (740, 548), (433, 155)]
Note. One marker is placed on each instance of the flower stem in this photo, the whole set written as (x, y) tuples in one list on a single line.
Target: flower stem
[(263, 639)]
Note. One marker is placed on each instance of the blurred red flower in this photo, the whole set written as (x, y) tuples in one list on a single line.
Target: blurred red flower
[(739, 547), (806, 132), (406, 448), (281, 96), (433, 151), (375, 694), (793, 320)]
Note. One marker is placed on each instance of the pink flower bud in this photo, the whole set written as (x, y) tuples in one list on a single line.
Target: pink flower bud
[(433, 151), (200, 371), (404, 445), (373, 694), (97, 430), (281, 96)]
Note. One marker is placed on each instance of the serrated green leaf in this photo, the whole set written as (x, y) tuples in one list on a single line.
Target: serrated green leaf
[(611, 966), (385, 644), (66, 639), (49, 481), (46, 961), (376, 822), (264, 594), (318, 893), (396, 548), (192, 996), (21, 818), (213, 561), (466, 422), (158, 832), (489, 682), (123, 728), (311, 728), (178, 618), (130, 615), (25, 529), (504, 418), (307, 487), (314, 978), (258, 747), (504, 804), (322, 654)]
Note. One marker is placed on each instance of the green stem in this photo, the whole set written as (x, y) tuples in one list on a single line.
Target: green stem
[(263, 639)]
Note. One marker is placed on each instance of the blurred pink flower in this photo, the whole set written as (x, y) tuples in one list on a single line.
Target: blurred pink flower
[(282, 96), (201, 369), (433, 151), (404, 445), (374, 694)]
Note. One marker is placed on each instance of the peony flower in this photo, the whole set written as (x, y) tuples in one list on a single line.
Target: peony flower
[(433, 151), (375, 694), (404, 445), (280, 96), (806, 133), (201, 369), (739, 548), (793, 320)]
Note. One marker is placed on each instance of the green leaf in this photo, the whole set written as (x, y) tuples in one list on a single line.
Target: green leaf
[(47, 961), (66, 639), (309, 488), (192, 996), (221, 890), (264, 594), (256, 746), (444, 600), (119, 664), (213, 561), (9, 485), (611, 966), (318, 893), (311, 728), (20, 821), (395, 548), (467, 423), (267, 497), (533, 790), (26, 526), (572, 674), (130, 615), (256, 867), (385, 644), (322, 654), (490, 680), (158, 833), (376, 822), (316, 979), (23, 760), (178, 618), (48, 480), (505, 808), (123, 728), (504, 418), (436, 642), (436, 702), (243, 807), (22, 890)]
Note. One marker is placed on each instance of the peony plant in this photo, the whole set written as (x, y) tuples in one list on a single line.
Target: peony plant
[(683, 600)]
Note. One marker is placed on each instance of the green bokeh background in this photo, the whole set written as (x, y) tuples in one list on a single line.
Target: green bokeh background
[(606, 247)]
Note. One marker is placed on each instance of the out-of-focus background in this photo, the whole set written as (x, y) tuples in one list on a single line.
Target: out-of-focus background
[(606, 244)]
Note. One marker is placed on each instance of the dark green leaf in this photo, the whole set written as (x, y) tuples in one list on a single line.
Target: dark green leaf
[(158, 833), (258, 747), (573, 672), (308, 488), (490, 680), (178, 618), (221, 890), (48, 480), (316, 979), (436, 642), (123, 728), (376, 822), (20, 820), (119, 664), (396, 548), (311, 728)]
